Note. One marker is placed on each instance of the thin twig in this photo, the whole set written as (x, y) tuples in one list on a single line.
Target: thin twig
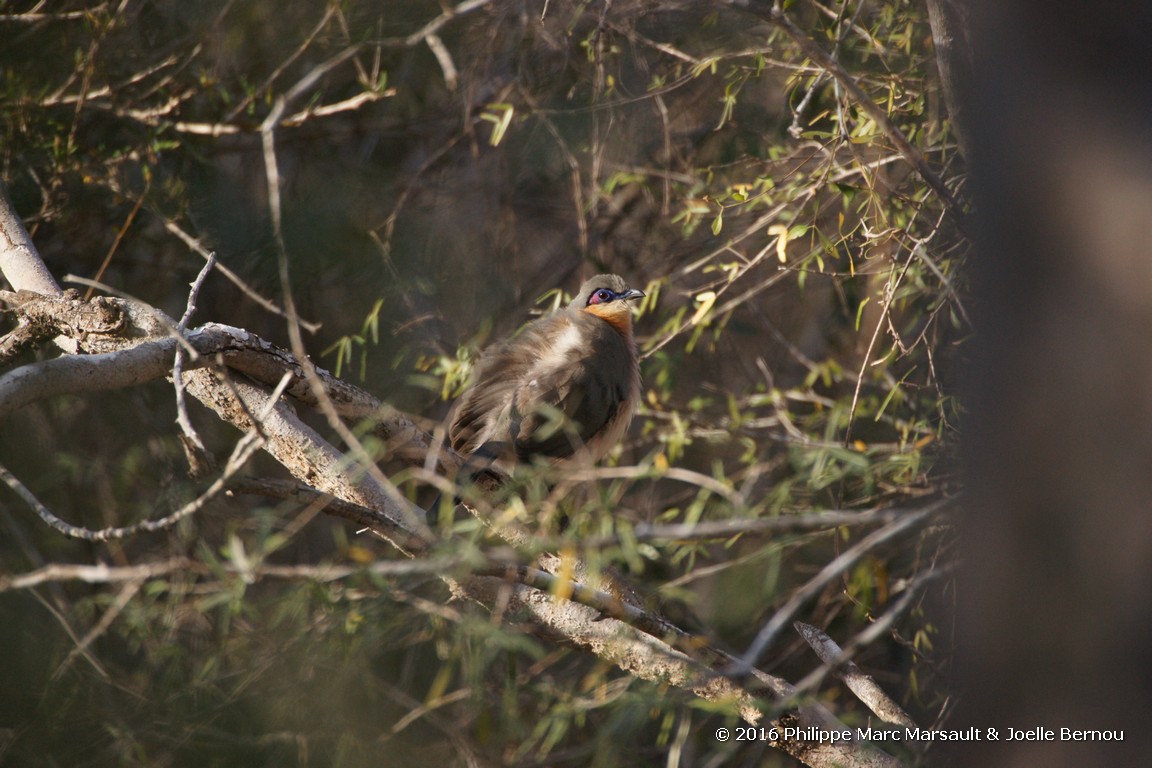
[(118, 605), (36, 18), (435, 25), (119, 237), (248, 445), (885, 307), (195, 246), (444, 58), (71, 632), (293, 56), (785, 614), (199, 460), (412, 516)]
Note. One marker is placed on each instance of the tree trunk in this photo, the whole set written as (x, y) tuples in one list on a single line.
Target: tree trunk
[(1057, 598)]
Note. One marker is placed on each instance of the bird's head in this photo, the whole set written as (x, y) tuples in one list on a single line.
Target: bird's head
[(607, 297)]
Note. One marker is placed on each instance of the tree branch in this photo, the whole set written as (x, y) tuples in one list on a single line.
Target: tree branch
[(865, 688), (19, 259)]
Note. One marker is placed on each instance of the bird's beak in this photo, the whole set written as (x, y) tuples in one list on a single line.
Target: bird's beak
[(632, 293)]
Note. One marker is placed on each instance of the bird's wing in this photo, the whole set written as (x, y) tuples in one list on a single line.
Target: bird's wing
[(574, 390), (484, 413)]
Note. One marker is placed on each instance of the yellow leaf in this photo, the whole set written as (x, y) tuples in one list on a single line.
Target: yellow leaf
[(781, 233), (706, 301)]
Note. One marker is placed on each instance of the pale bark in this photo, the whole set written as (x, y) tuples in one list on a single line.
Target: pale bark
[(19, 258)]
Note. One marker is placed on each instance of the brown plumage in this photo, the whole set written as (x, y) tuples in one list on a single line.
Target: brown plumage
[(564, 387)]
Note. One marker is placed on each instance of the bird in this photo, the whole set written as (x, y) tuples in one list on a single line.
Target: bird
[(563, 389)]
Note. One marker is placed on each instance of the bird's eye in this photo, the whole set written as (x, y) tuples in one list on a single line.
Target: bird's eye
[(601, 296)]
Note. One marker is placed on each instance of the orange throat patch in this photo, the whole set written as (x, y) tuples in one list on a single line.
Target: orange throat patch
[(616, 313)]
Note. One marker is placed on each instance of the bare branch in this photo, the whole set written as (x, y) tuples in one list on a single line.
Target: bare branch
[(35, 18), (845, 560), (199, 460), (102, 573), (885, 307), (130, 362), (154, 116), (444, 58), (85, 373), (437, 23), (865, 688), (882, 624), (195, 246), (241, 452), (128, 591), (117, 360), (266, 86), (725, 529), (302, 451), (19, 260)]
